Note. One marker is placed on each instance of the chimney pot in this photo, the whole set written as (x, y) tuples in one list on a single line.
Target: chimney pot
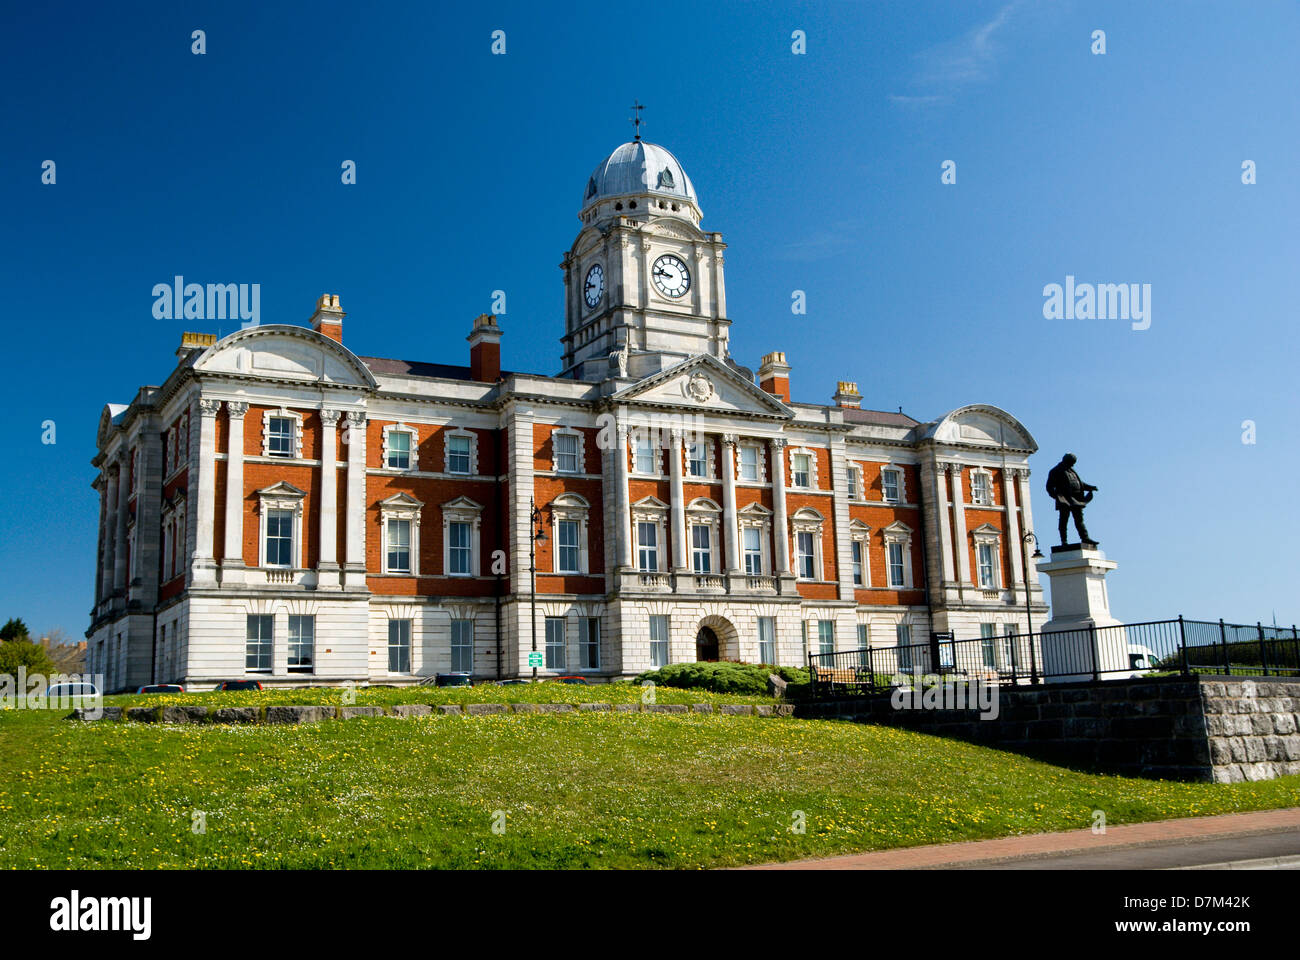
[(328, 318), (774, 375)]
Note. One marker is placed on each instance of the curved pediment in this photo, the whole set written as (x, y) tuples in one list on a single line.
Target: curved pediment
[(705, 384), (982, 425), (285, 352)]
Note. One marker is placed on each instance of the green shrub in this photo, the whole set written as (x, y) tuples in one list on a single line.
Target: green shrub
[(724, 677)]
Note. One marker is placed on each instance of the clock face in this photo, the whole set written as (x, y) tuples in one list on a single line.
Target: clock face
[(594, 285), (671, 276)]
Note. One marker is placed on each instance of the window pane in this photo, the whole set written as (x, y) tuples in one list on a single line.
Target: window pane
[(279, 538), (749, 463), (889, 479), (399, 546), (700, 553), (260, 630), (753, 544), (462, 646), (399, 646), (566, 535), (554, 643), (826, 635), (647, 539), (399, 450), (590, 645), (458, 548), (566, 452), (800, 461), (646, 458), (279, 437), (458, 452), (302, 643), (896, 573), (767, 639), (658, 640), (857, 562)]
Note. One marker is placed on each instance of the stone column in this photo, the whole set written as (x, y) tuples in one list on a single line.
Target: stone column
[(959, 525), (677, 496), (120, 513), (328, 564), (1013, 529), (355, 551), (233, 555), (206, 504), (110, 534), (624, 535), (780, 525), (945, 519), (730, 529), (1022, 484)]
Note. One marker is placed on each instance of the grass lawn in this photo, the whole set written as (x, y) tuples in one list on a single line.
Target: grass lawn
[(582, 790)]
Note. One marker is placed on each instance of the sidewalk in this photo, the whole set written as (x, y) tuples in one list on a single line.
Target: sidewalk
[(1006, 849)]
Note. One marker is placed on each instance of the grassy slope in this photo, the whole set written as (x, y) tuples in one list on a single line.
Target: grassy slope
[(578, 791)]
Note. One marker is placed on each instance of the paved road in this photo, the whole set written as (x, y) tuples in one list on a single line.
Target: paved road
[(1269, 851), (1270, 836)]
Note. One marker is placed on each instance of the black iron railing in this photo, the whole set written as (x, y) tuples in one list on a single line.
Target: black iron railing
[(1124, 651)]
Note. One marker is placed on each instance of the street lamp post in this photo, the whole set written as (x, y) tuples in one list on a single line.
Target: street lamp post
[(536, 535), (1025, 541)]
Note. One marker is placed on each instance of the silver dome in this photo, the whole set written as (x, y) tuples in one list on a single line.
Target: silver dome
[(639, 168)]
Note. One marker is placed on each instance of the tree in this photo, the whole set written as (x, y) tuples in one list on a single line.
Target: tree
[(14, 629), (24, 653)]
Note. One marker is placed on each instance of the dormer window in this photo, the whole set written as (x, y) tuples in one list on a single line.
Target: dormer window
[(666, 178)]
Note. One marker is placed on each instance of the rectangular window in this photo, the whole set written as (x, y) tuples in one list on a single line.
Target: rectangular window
[(903, 639), (988, 580), (767, 639), (399, 646), (458, 549), (980, 488), (589, 642), (864, 641), (853, 483), (458, 454), (857, 563), (399, 450), (462, 646), (801, 469), (826, 636), (805, 555), (988, 649), (1009, 647), (701, 554), (399, 546), (647, 456), (647, 546), (749, 463), (889, 483), (554, 643), (566, 452), (302, 643), (279, 538), (897, 574), (566, 542), (279, 436), (658, 640), (697, 459), (752, 539), (257, 649)]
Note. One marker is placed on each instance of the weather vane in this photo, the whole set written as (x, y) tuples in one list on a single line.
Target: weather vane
[(637, 107)]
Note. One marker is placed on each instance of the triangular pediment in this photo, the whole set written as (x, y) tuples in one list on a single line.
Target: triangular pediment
[(282, 489), (704, 384)]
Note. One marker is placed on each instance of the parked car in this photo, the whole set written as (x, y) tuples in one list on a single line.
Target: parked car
[(61, 691), (515, 682), (161, 688), (582, 681), (239, 685), (454, 680)]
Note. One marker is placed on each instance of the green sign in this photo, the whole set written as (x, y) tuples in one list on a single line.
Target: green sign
[(535, 660)]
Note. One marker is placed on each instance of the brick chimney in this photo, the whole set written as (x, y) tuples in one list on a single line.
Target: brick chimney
[(485, 349), (774, 375), (190, 342), (328, 318), (847, 395)]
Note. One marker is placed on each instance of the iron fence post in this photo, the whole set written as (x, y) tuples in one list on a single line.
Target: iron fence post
[(1096, 654), (1182, 643), (1033, 659), (1263, 648), (1223, 645)]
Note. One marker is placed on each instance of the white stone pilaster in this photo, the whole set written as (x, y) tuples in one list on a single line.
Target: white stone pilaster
[(233, 555), (1022, 488), (780, 525), (624, 533), (328, 563), (1014, 543), (730, 528), (945, 519), (355, 548), (959, 525), (840, 516), (677, 496), (205, 510)]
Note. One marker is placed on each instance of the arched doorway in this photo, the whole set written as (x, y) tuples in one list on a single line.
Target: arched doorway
[(716, 638), (706, 645)]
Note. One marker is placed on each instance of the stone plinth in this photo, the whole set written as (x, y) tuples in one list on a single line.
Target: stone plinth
[(1076, 644)]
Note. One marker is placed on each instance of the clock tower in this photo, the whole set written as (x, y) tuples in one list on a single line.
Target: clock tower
[(643, 283)]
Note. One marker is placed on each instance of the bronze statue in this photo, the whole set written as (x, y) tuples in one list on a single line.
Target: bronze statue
[(1071, 495)]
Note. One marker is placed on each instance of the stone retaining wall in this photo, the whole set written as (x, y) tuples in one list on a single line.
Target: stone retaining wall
[(1221, 729), (311, 714)]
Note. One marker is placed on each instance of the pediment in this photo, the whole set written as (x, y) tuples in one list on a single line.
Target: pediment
[(285, 352), (982, 425), (704, 384), (401, 500), (281, 490)]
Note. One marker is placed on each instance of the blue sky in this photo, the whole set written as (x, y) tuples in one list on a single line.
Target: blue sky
[(821, 170)]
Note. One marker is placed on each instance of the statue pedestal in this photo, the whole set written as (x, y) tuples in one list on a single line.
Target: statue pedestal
[(1075, 647)]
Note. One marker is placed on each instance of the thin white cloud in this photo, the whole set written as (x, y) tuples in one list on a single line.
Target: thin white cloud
[(945, 69)]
